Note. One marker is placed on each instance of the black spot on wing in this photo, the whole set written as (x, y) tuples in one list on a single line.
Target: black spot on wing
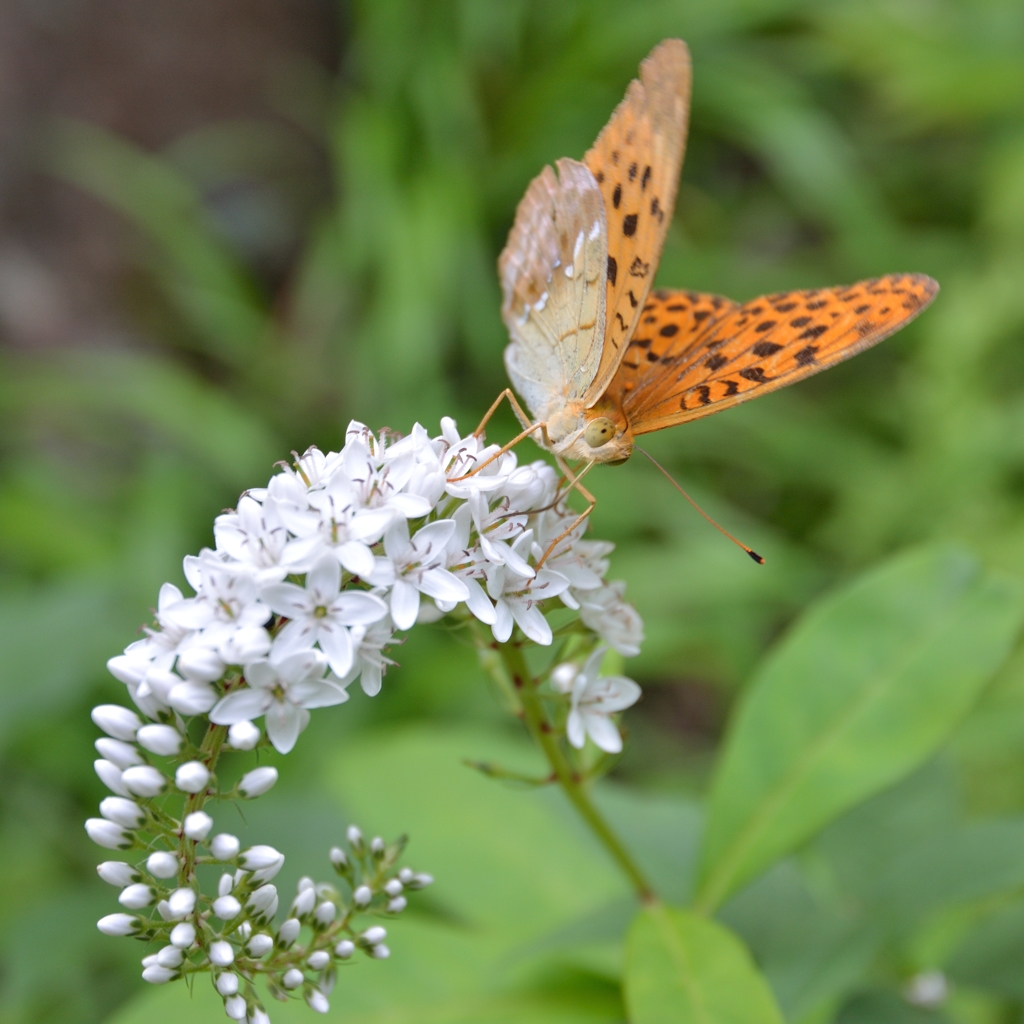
[(767, 325), (646, 178), (632, 171), (814, 332), (613, 270), (716, 362), (629, 225), (766, 348), (805, 357), (669, 330), (617, 196), (756, 374)]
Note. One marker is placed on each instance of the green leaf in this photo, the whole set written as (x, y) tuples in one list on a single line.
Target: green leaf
[(863, 689), (684, 969)]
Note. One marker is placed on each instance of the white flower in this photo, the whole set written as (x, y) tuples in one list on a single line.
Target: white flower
[(617, 623), (283, 690), (517, 598), (370, 663), (415, 566), (320, 613), (381, 484), (582, 562), (495, 528), (254, 534), (594, 698)]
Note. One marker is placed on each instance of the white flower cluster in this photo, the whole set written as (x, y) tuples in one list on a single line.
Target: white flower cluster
[(309, 581), (313, 574)]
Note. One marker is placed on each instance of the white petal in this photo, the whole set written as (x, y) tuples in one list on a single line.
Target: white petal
[(336, 643), (297, 635), (412, 506), (303, 665), (320, 693), (614, 693), (288, 600), (604, 733), (441, 584), (574, 730), (502, 626), (284, 723), (478, 602), (433, 537), (323, 581), (369, 524), (240, 706), (405, 604), (370, 679), (357, 609), (357, 558), (262, 674), (532, 623)]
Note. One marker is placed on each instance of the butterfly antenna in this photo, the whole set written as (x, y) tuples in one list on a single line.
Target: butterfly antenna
[(721, 529)]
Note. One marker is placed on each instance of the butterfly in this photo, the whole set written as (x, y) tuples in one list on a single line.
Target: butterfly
[(597, 356)]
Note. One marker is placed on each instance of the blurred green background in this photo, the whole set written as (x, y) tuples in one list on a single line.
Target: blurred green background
[(227, 228)]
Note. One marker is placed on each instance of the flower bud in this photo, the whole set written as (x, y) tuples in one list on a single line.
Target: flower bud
[(183, 935), (317, 1001), (263, 861), (362, 895), (325, 913), (244, 930), (344, 949), (338, 859), (182, 902), (377, 846), (197, 825), (144, 780), (293, 978), (258, 1016), (355, 837), (192, 698), (119, 924), (162, 864), (226, 884), (394, 887), (170, 956), (126, 669), (124, 755), (110, 775), (227, 983), (262, 904), (397, 905), (562, 676), (380, 952), (303, 903), (163, 908), (225, 846), (192, 777), (227, 907), (260, 944), (159, 682), (117, 872), (157, 975), (160, 739), (288, 932), (234, 1007), (201, 664), (405, 875), (244, 735), (114, 720), (122, 811), (319, 960), (257, 782), (108, 834), (374, 935), (304, 883), (245, 645), (222, 954), (420, 881), (137, 896)]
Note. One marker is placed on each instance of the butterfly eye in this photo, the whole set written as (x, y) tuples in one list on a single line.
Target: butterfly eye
[(599, 431)]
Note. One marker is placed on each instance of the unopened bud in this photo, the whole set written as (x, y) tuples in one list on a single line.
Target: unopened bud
[(197, 825), (170, 956), (162, 864), (262, 904), (243, 735), (344, 949), (201, 664), (160, 739), (222, 954), (317, 1001), (263, 861), (234, 1007), (303, 902), (137, 896), (319, 960), (192, 698), (226, 884), (124, 755), (227, 908), (117, 872), (338, 858), (157, 975), (122, 811), (183, 935), (405, 876), (144, 780), (108, 834), (393, 888), (380, 952), (114, 720), (325, 913), (293, 978), (289, 931), (355, 837), (421, 881), (192, 777), (397, 905), (110, 775), (119, 924), (181, 902), (227, 984), (257, 782), (260, 944), (362, 895), (225, 846), (377, 846)]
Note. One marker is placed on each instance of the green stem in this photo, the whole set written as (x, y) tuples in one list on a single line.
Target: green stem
[(540, 729)]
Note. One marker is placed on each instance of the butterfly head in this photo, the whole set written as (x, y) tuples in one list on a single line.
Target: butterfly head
[(600, 434)]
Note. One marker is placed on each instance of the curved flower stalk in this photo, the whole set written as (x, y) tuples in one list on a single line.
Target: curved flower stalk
[(309, 582)]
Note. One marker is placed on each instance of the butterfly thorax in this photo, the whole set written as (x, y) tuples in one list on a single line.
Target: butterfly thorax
[(600, 434)]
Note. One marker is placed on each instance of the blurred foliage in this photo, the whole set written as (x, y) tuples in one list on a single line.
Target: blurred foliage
[(339, 261)]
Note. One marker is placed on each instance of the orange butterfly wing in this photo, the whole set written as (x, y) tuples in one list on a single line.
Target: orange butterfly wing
[(694, 354), (636, 161)]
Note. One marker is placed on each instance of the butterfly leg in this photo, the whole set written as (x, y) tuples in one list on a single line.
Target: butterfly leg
[(523, 419), (587, 496), (516, 408)]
